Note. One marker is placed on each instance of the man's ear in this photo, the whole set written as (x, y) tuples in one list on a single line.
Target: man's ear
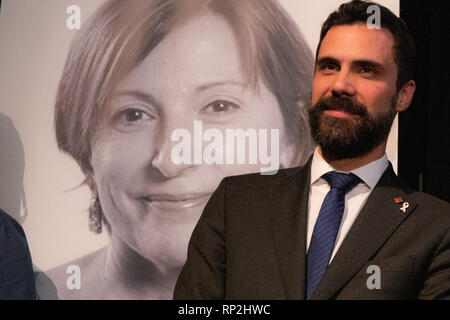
[(405, 96)]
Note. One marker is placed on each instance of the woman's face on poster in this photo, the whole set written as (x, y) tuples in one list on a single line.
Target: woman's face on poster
[(193, 76)]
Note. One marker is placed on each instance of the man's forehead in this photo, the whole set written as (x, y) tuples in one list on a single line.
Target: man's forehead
[(358, 42)]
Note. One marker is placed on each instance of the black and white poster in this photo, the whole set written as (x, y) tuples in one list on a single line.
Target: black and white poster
[(118, 120)]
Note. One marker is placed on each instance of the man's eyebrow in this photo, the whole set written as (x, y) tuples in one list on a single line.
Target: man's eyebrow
[(325, 60), (361, 62), (210, 85), (138, 94), (370, 63)]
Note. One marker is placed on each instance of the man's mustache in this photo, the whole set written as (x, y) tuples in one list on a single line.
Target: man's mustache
[(341, 104)]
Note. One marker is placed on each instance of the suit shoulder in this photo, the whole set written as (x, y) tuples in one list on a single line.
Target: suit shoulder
[(433, 210), (434, 203), (11, 231), (431, 206), (253, 178), (7, 219), (252, 188)]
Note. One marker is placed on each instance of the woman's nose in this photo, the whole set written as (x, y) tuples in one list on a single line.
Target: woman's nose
[(165, 159)]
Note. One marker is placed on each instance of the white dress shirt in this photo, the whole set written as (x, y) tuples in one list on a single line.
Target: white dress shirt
[(354, 199)]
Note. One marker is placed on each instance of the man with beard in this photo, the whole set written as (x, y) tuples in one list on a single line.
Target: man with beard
[(344, 226)]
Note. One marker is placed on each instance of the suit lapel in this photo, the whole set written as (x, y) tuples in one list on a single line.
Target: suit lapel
[(378, 219), (289, 207)]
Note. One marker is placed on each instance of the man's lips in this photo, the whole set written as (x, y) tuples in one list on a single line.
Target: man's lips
[(177, 201), (339, 114)]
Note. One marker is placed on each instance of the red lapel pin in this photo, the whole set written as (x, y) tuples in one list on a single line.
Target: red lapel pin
[(398, 200)]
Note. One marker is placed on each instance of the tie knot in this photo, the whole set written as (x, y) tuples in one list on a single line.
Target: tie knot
[(342, 181)]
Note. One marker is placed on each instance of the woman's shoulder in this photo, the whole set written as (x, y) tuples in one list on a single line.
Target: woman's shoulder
[(78, 279)]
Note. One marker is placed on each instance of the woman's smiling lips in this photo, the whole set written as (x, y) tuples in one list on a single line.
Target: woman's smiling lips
[(177, 202)]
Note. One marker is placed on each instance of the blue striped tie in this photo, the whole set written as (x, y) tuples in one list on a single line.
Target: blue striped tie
[(327, 226)]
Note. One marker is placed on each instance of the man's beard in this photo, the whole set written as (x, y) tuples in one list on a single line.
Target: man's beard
[(353, 137)]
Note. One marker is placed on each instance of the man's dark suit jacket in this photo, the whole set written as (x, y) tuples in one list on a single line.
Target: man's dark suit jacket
[(250, 243), (16, 271)]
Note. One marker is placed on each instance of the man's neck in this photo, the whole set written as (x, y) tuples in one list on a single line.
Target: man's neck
[(350, 164)]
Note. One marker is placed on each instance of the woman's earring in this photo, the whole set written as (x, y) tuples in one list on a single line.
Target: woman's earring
[(95, 215)]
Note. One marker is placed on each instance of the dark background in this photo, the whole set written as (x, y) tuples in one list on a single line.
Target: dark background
[(424, 129)]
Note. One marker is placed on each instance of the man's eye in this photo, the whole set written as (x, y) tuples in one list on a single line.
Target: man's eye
[(367, 70), (219, 107), (329, 67)]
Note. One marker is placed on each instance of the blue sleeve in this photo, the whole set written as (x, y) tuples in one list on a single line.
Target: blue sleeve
[(16, 271)]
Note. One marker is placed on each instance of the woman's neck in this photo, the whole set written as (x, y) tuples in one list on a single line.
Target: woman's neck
[(128, 275)]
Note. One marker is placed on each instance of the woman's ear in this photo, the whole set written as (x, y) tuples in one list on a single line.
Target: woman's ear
[(405, 96), (89, 180)]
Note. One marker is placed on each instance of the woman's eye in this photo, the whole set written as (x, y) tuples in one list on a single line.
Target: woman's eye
[(220, 107), (132, 118), (134, 115)]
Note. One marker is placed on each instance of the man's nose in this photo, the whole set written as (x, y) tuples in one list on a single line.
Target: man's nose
[(163, 160), (344, 84)]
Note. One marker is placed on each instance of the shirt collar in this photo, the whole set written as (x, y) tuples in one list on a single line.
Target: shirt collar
[(370, 173)]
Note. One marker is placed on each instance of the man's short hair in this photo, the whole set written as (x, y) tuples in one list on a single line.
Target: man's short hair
[(355, 12)]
